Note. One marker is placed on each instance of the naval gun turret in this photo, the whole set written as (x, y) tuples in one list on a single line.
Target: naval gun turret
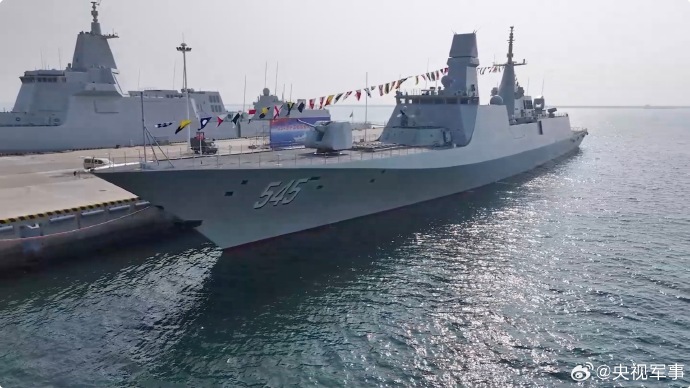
[(328, 136)]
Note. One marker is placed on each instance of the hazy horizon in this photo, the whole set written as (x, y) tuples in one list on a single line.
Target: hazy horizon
[(586, 53)]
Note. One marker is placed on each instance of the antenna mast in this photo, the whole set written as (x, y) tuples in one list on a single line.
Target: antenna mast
[(184, 49), (275, 90)]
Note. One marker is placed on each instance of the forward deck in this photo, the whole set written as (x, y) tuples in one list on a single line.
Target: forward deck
[(296, 157)]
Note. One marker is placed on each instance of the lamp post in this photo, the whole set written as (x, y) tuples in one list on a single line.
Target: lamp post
[(184, 49)]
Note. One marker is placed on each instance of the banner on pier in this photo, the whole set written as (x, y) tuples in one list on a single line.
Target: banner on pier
[(286, 132)]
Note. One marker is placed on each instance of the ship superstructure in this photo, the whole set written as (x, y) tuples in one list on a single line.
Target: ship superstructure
[(438, 142)]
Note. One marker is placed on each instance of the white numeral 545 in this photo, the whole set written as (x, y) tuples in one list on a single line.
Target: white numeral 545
[(284, 195)]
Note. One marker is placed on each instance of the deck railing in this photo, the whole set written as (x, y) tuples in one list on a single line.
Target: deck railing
[(258, 153)]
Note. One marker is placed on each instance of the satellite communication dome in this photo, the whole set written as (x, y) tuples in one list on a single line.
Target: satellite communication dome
[(266, 92), (496, 100)]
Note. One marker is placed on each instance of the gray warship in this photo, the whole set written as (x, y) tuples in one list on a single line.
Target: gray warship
[(84, 107), (438, 142)]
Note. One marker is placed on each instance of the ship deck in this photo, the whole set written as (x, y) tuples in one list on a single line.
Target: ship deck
[(285, 158)]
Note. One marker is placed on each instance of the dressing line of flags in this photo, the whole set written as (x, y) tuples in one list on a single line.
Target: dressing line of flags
[(390, 86), (329, 100), (203, 121)]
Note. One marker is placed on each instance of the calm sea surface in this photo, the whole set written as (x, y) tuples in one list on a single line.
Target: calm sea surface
[(514, 284)]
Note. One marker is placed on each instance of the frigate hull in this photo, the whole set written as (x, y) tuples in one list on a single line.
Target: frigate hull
[(241, 206)]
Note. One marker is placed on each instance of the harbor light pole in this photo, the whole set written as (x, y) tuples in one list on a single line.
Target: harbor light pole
[(184, 49)]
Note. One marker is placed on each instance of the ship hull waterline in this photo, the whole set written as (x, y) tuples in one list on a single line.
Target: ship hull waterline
[(226, 201)]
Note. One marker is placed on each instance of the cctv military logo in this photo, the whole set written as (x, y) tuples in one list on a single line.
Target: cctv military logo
[(582, 373)]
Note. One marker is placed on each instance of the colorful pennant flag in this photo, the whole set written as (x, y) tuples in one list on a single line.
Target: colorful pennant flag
[(289, 108), (358, 94), (276, 111), (338, 97), (163, 125), (204, 121), (368, 92), (183, 125), (347, 95), (381, 90), (236, 118), (264, 112), (329, 100), (300, 107), (321, 102), (220, 121)]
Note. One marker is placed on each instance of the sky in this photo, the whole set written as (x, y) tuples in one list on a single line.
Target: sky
[(584, 52)]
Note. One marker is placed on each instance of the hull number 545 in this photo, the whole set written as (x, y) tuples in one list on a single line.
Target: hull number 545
[(276, 193)]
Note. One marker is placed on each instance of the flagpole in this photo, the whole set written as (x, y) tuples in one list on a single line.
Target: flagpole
[(244, 99), (366, 99), (184, 49), (275, 90), (143, 125)]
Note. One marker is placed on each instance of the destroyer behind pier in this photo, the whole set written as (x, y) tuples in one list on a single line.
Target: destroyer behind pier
[(83, 106)]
